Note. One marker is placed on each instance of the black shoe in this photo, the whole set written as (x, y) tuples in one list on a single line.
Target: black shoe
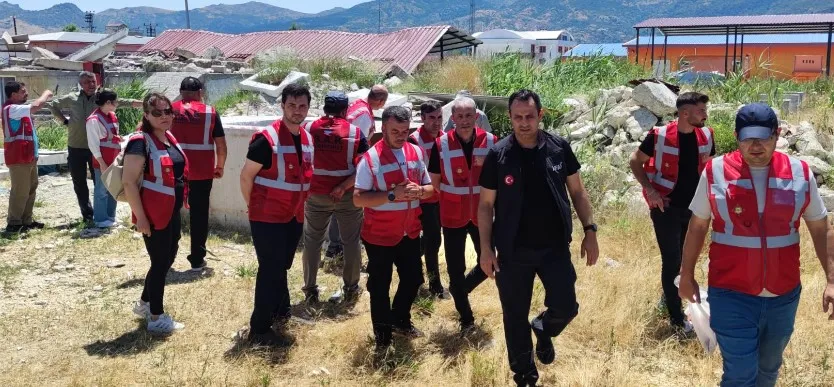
[(544, 348), (333, 252), (408, 331), (311, 297), (199, 266), (35, 226), (270, 339), (467, 329), (14, 229), (438, 291), (347, 295)]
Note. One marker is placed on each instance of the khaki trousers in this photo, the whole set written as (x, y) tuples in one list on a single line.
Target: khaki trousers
[(24, 178)]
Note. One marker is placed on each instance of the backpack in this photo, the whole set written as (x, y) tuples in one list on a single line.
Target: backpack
[(112, 176)]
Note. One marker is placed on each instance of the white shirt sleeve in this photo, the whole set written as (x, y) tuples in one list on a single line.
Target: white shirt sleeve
[(17, 112), (364, 122), (700, 202), (483, 121), (364, 177), (95, 132), (816, 208)]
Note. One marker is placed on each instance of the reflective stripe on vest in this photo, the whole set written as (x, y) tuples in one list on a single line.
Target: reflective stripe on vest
[(349, 152), (382, 169), (798, 184), (279, 151), (155, 161), (7, 133), (112, 131), (206, 145), (659, 150), (446, 156)]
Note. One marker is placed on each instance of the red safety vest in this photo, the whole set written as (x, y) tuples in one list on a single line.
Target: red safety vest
[(387, 224), (159, 183), (109, 145), (337, 147), (359, 108), (666, 155), (18, 148), (459, 189), (279, 192), (193, 127), (751, 252), (426, 141)]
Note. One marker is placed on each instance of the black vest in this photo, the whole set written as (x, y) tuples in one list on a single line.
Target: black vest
[(509, 197)]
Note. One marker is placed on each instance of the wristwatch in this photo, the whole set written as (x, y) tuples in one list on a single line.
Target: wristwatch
[(391, 196), (590, 227)]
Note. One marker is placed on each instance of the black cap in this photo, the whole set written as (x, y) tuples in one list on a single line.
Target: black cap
[(335, 101), (191, 84), (756, 120)]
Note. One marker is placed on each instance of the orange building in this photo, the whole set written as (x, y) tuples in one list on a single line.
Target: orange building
[(779, 46)]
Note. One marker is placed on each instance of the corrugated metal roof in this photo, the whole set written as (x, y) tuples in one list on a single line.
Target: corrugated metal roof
[(722, 39), (84, 37), (602, 49), (405, 48), (760, 24)]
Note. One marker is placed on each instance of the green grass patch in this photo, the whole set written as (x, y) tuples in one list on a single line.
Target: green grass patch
[(52, 135), (230, 100), (275, 68), (129, 117)]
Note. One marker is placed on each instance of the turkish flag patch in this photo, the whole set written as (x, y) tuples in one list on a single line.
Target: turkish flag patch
[(508, 180)]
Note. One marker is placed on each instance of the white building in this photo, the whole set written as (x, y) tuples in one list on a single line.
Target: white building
[(543, 46)]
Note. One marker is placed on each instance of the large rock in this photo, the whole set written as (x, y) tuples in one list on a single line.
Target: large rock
[(620, 138), (193, 68), (645, 118), (606, 99), (827, 197), (576, 108), (782, 144), (620, 154), (804, 127), (393, 81), (656, 97), (212, 53), (201, 62), (582, 132), (42, 53), (617, 116), (808, 144), (609, 131), (818, 166), (183, 53)]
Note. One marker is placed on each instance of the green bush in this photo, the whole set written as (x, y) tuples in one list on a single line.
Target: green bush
[(723, 123), (234, 98), (129, 117), (275, 68), (52, 135)]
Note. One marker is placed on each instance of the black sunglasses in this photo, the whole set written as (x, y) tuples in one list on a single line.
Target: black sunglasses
[(160, 113)]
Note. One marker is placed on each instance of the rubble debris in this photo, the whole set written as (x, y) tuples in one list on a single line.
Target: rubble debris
[(212, 53), (99, 50), (218, 69), (184, 54), (42, 53), (59, 64)]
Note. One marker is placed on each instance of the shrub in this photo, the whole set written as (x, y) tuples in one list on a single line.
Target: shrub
[(234, 98), (129, 117), (274, 68), (723, 123), (51, 135)]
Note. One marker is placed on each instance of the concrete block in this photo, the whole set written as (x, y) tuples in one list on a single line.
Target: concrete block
[(183, 53), (38, 53), (294, 77), (17, 61), (52, 157), (252, 84), (219, 69), (168, 83), (100, 49), (59, 64)]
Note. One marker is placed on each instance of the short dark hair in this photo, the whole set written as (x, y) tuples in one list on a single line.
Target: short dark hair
[(691, 98), (377, 95), (13, 87), (104, 96), (398, 113), (525, 95), (295, 90), (191, 84), (430, 107)]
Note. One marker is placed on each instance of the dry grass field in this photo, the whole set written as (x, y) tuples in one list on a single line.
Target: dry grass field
[(65, 319)]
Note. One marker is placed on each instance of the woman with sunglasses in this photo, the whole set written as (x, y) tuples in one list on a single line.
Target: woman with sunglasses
[(154, 154), (105, 144)]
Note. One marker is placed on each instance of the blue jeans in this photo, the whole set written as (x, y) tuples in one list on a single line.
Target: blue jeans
[(104, 205), (752, 334)]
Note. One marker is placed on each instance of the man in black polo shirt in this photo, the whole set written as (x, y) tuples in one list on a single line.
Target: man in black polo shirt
[(668, 165), (525, 183)]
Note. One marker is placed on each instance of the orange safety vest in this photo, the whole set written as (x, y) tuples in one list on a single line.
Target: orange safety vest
[(667, 153), (459, 189), (279, 192), (337, 147), (18, 148), (193, 126), (158, 183), (752, 252), (387, 224), (425, 140), (111, 144)]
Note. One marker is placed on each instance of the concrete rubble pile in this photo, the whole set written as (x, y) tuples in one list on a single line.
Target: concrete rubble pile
[(618, 119)]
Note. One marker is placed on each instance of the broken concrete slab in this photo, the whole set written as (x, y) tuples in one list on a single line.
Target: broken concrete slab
[(42, 53), (168, 83), (201, 62), (252, 84), (233, 65), (393, 81), (191, 67), (219, 69), (294, 77), (59, 64), (100, 49), (183, 53), (17, 61), (212, 53)]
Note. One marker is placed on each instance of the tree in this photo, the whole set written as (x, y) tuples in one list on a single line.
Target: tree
[(294, 27), (70, 28)]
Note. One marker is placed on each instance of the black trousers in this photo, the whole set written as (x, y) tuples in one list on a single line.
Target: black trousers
[(275, 245), (198, 199), (430, 241), (515, 289), (670, 228), (162, 247), (460, 283), (381, 260), (80, 161)]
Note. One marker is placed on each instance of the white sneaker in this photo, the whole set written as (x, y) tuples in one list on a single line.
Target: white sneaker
[(687, 326), (106, 224), (164, 324), (142, 309)]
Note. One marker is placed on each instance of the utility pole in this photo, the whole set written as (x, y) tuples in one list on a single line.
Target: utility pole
[(471, 16), (187, 18), (14, 21), (150, 30), (379, 16), (88, 18)]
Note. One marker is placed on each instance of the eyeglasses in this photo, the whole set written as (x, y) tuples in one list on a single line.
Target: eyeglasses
[(159, 113)]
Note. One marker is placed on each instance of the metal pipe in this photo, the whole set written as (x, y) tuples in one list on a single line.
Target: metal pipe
[(651, 60), (735, 43), (637, 50), (828, 52), (187, 17), (726, 50)]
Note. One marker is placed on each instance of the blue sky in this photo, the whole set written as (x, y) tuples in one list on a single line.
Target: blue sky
[(100, 5)]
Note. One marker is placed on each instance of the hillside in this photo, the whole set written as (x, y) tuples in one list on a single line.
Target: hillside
[(589, 21)]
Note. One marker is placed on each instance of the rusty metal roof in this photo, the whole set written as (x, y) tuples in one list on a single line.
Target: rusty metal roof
[(760, 24), (405, 48)]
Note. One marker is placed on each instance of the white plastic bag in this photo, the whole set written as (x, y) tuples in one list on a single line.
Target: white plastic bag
[(699, 316)]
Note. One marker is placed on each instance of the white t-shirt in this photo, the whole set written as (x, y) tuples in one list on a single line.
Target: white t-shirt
[(95, 132), (365, 178), (16, 115), (365, 123), (700, 206)]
